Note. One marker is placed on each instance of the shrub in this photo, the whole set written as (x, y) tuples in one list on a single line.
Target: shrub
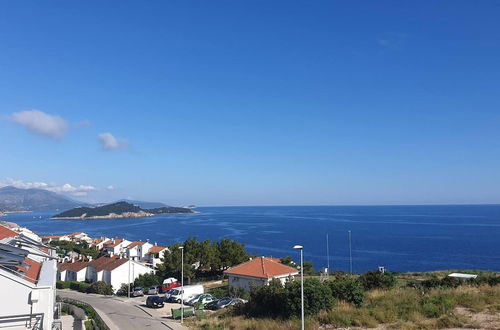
[(62, 285), (317, 296), (100, 287), (123, 290), (147, 280), (79, 286), (377, 280), (348, 289)]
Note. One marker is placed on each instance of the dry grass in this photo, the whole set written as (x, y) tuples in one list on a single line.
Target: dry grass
[(400, 308)]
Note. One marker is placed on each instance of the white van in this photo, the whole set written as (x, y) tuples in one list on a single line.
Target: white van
[(175, 295)]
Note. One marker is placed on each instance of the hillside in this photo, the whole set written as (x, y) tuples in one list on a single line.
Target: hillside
[(15, 199), (117, 210)]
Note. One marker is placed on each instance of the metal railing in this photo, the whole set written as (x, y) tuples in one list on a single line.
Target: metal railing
[(30, 321)]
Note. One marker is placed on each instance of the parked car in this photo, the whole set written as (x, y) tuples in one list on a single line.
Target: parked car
[(224, 302), (193, 299), (168, 284), (153, 290), (185, 292), (154, 302), (201, 299), (137, 292)]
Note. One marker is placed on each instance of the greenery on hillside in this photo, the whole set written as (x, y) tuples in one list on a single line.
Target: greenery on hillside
[(209, 257), (399, 301), (63, 247), (117, 208)]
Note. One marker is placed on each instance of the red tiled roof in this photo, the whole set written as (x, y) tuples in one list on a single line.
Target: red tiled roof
[(6, 232), (97, 241), (52, 236), (73, 266), (31, 273), (134, 244), (107, 263), (156, 249), (111, 244), (74, 234), (261, 267)]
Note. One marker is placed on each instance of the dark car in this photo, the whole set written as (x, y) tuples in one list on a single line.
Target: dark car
[(154, 302), (219, 304)]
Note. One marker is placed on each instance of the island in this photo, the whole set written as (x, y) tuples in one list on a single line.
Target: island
[(117, 210)]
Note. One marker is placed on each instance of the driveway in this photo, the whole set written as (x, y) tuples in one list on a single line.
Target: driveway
[(123, 313)]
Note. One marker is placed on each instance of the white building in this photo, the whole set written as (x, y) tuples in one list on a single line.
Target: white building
[(155, 255), (116, 246), (28, 277), (113, 270), (259, 271), (137, 250)]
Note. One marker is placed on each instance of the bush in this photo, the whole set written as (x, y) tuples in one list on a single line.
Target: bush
[(274, 300), (348, 289), (79, 286), (377, 280), (123, 290), (100, 287), (147, 280), (62, 285)]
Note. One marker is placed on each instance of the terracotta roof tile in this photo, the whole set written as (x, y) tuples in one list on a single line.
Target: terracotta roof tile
[(110, 243), (31, 273), (73, 266), (6, 232), (107, 263), (156, 249), (134, 244), (261, 267)]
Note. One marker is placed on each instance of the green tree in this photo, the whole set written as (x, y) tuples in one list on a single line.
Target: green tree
[(147, 280), (308, 268), (100, 287), (230, 253), (348, 289), (317, 296), (377, 280), (171, 265)]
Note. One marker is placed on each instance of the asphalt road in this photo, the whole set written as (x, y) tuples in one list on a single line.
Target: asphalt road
[(122, 314)]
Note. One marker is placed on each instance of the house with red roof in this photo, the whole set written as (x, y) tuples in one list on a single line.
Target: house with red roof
[(72, 271), (28, 275), (138, 249), (259, 271), (155, 254), (116, 246)]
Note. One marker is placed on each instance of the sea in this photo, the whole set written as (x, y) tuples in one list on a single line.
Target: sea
[(399, 238)]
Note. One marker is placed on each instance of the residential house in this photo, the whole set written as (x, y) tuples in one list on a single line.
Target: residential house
[(98, 243), (116, 246), (72, 271), (155, 254), (137, 250), (50, 238), (259, 271), (28, 277), (80, 237)]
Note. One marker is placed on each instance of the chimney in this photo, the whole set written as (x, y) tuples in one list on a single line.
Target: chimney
[(156, 244)]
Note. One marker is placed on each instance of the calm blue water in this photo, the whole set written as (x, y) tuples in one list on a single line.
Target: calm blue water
[(401, 238)]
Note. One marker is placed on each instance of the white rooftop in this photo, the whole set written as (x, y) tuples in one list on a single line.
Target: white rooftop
[(461, 275)]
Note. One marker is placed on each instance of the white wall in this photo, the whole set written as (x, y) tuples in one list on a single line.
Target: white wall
[(120, 274)]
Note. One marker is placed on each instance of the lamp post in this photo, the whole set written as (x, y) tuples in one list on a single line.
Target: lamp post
[(182, 283), (301, 248)]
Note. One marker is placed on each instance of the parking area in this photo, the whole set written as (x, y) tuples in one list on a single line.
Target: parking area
[(163, 312)]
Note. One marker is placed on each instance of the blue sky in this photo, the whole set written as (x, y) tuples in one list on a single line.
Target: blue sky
[(252, 102)]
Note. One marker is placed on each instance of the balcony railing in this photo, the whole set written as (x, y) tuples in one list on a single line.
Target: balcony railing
[(30, 321)]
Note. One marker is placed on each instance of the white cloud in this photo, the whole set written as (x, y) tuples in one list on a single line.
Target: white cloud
[(41, 123), (66, 188), (109, 142), (110, 187)]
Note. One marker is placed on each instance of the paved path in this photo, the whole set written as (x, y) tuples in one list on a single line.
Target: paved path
[(122, 314)]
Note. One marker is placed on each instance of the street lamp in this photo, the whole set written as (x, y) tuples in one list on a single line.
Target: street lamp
[(182, 283), (301, 248)]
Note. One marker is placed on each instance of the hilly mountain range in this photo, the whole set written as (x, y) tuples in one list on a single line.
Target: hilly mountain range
[(15, 199)]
